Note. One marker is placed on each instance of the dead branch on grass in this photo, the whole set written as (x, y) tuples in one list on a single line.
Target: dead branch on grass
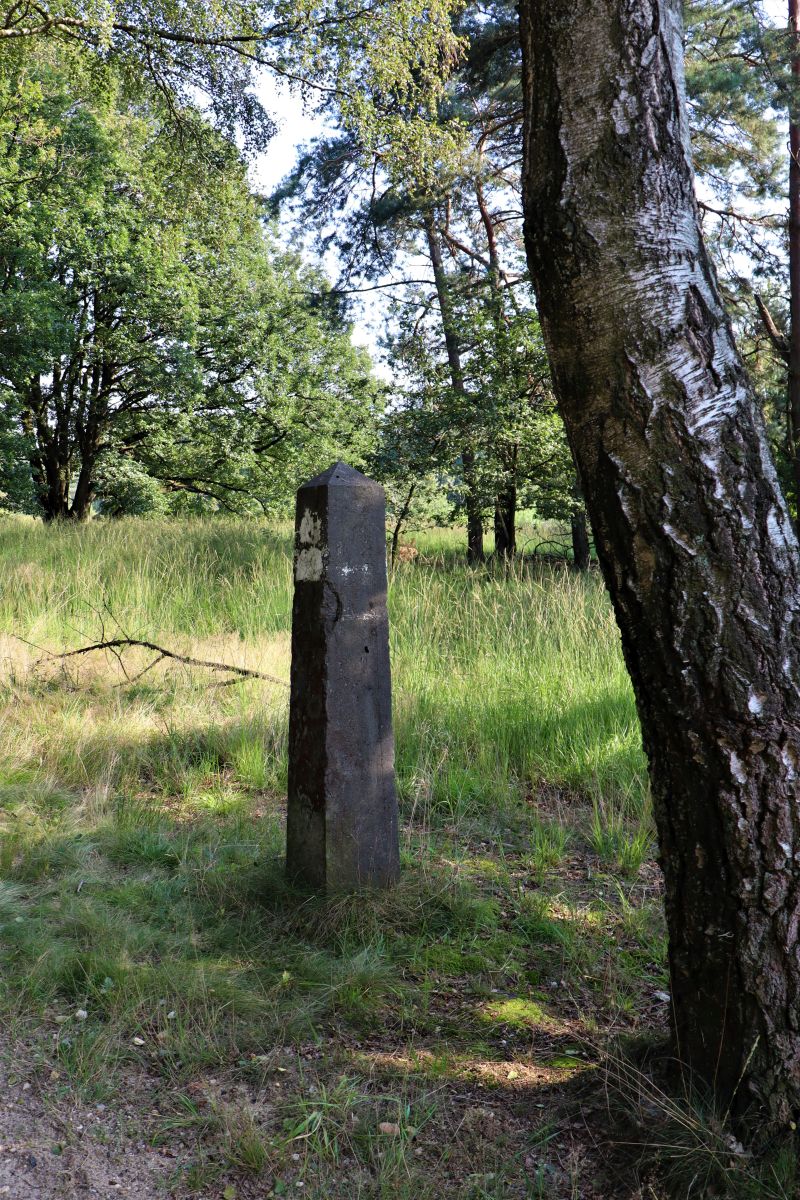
[(116, 645)]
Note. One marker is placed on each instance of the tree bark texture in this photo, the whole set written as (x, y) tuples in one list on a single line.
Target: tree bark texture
[(472, 503), (794, 248), (581, 554), (505, 521), (692, 532)]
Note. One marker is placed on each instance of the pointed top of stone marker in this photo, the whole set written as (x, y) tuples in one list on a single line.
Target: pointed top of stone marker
[(339, 475)]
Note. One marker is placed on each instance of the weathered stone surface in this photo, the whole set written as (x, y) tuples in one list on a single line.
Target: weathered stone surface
[(342, 816)]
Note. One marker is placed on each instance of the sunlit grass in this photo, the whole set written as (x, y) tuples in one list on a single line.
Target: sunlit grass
[(141, 835), (501, 680), (158, 801)]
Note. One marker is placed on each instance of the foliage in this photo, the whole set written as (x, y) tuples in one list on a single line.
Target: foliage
[(411, 464), (736, 74), (471, 409), (125, 489), (17, 493), (506, 410), (382, 64), (740, 93), (414, 139), (147, 312), (733, 78)]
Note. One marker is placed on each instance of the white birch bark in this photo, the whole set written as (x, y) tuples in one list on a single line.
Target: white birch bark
[(692, 531)]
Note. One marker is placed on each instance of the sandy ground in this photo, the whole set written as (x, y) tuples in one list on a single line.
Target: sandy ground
[(75, 1152)]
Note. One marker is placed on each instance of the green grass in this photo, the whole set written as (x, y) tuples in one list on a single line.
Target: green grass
[(141, 878), (498, 679)]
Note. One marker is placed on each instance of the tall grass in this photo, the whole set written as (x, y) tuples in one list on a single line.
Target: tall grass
[(504, 682), (145, 921), (194, 578), (512, 679)]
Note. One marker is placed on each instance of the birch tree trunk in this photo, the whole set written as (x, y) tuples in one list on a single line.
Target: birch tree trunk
[(692, 532), (794, 249)]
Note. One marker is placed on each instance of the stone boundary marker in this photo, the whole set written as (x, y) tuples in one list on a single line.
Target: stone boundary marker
[(342, 827)]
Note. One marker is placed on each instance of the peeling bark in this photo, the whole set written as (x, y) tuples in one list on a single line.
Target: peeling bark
[(692, 532)]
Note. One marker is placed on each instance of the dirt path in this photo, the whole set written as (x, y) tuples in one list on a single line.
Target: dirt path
[(75, 1152)]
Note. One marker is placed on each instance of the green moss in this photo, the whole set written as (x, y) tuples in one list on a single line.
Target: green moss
[(517, 1012)]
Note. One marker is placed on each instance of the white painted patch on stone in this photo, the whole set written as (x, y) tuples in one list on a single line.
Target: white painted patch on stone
[(310, 532), (309, 564)]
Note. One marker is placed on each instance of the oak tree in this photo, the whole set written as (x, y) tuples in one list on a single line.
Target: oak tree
[(147, 315)]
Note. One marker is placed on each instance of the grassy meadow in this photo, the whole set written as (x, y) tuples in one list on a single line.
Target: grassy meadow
[(428, 1042)]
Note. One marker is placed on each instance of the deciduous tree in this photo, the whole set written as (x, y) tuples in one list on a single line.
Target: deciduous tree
[(147, 313)]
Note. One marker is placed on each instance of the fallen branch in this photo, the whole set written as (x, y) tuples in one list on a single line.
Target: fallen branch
[(551, 542), (124, 643)]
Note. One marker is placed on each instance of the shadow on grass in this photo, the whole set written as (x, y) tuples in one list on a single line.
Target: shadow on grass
[(455, 761), (481, 1128), (153, 930), (179, 927), (145, 922)]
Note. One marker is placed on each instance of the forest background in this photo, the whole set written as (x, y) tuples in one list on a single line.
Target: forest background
[(176, 341)]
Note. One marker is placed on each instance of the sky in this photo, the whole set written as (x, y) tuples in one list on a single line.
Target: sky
[(296, 126), (777, 10)]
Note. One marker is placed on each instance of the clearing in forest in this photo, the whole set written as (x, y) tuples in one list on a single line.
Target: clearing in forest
[(176, 1016)]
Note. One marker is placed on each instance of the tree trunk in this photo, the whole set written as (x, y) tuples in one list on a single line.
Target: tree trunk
[(794, 250), (81, 508), (49, 467), (505, 511), (54, 496), (505, 518), (475, 551), (692, 532), (472, 500), (398, 525), (581, 555)]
